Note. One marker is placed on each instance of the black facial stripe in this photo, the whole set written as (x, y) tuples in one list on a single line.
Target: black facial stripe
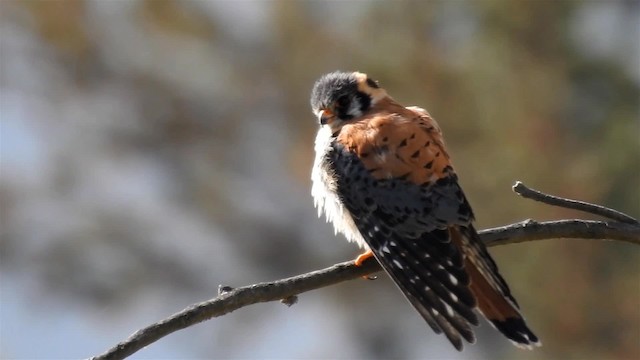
[(364, 100), (372, 83)]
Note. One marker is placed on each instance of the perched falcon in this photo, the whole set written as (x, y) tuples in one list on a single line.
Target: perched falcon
[(383, 176)]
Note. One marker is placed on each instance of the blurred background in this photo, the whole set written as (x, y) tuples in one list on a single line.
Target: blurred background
[(152, 150)]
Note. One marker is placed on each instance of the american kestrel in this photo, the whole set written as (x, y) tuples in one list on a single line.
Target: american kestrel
[(383, 176)]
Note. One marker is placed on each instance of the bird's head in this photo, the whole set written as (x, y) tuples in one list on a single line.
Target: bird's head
[(341, 96)]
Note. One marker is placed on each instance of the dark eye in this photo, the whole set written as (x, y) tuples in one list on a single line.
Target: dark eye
[(343, 101)]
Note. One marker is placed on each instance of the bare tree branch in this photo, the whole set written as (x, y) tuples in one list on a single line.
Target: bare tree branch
[(286, 290), (536, 195), (530, 230)]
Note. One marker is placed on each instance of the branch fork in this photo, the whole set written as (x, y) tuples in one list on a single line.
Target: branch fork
[(622, 227)]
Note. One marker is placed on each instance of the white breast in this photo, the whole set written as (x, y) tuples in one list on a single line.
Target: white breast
[(324, 190)]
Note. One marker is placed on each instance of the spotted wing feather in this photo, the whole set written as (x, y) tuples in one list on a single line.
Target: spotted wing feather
[(405, 226)]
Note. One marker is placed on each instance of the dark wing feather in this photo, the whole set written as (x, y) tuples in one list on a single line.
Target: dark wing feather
[(405, 225)]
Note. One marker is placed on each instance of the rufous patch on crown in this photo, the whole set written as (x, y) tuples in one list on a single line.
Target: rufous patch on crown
[(376, 94)]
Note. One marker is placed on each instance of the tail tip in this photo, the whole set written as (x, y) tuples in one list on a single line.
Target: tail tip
[(516, 330), (531, 345)]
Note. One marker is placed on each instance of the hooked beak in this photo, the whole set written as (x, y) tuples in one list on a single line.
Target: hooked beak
[(325, 117)]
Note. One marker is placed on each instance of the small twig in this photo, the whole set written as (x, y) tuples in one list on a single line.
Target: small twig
[(532, 194), (290, 300)]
